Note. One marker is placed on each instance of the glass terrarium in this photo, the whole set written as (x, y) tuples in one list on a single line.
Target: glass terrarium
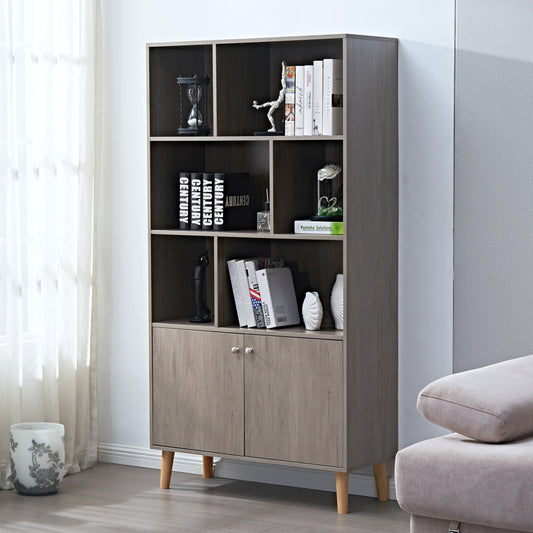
[(329, 193)]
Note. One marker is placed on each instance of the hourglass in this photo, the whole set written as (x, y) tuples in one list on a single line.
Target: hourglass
[(196, 122)]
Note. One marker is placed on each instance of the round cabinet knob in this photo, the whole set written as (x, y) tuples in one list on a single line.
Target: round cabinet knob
[(235, 349), (249, 350)]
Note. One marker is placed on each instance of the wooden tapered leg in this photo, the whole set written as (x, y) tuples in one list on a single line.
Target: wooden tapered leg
[(382, 483), (208, 466), (167, 459), (341, 480)]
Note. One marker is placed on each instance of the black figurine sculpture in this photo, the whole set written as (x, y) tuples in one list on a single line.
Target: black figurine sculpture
[(203, 313)]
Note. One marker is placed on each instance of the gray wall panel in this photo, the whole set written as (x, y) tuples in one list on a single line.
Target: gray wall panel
[(493, 240)]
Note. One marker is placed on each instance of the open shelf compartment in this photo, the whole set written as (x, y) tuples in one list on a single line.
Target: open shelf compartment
[(166, 63), (294, 195), (172, 276), (168, 159), (252, 71), (314, 266)]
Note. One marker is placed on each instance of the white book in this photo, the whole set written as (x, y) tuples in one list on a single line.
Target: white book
[(332, 101), (317, 97), (278, 297), (308, 100), (242, 278), (299, 101), (232, 270)]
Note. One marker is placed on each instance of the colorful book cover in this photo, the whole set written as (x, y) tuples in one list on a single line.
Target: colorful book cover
[(290, 80), (255, 296)]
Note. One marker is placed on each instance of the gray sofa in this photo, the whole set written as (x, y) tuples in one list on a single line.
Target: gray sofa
[(479, 478)]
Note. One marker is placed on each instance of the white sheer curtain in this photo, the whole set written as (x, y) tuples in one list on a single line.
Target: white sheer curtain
[(49, 141)]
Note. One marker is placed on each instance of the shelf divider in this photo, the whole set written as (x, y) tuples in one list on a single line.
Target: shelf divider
[(298, 331)]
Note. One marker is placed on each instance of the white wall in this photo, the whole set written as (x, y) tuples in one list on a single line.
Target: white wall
[(493, 185), (426, 72)]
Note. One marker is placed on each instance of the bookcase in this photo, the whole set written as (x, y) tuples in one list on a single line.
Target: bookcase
[(323, 399)]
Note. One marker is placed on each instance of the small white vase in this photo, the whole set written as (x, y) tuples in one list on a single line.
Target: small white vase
[(37, 457), (312, 311), (337, 302)]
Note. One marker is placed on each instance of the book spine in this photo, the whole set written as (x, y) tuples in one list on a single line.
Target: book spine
[(245, 293), (218, 201), (266, 299), (234, 280), (308, 100), (318, 228), (332, 101), (196, 200), (184, 207), (255, 293), (299, 101), (207, 201), (290, 74), (317, 97)]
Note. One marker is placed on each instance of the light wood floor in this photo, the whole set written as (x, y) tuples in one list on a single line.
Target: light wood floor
[(123, 498)]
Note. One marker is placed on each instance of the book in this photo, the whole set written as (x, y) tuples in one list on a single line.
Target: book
[(278, 297), (196, 200), (255, 295), (252, 265), (308, 100), (232, 209), (332, 97), (299, 101), (207, 201), (244, 290), (184, 200), (219, 179), (234, 280), (290, 74), (317, 97), (316, 227)]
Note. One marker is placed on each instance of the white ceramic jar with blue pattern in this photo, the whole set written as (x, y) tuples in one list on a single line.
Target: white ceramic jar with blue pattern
[(37, 457)]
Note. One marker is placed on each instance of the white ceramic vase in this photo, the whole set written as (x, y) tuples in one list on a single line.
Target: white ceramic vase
[(337, 302), (312, 311), (37, 457)]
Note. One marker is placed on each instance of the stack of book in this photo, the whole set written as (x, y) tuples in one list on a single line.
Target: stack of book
[(313, 98), (215, 201), (263, 291)]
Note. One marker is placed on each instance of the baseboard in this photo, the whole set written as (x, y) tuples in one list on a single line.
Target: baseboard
[(361, 483), (121, 454)]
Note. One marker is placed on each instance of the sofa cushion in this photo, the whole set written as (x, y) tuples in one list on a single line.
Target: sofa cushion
[(456, 478), (491, 404)]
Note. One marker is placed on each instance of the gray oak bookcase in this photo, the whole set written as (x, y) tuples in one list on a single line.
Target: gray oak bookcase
[(324, 399)]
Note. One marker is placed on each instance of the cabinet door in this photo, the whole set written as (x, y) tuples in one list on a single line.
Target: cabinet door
[(197, 399), (294, 400)]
